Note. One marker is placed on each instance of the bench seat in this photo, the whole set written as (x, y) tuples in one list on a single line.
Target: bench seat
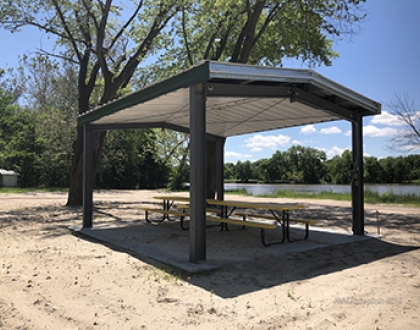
[(250, 223), (262, 225), (246, 216)]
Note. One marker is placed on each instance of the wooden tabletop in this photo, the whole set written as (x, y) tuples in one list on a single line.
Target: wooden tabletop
[(256, 205), (239, 204)]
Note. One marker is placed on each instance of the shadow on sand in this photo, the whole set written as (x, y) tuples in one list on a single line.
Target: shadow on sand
[(236, 261)]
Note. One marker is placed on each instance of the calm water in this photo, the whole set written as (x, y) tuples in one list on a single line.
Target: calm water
[(260, 189)]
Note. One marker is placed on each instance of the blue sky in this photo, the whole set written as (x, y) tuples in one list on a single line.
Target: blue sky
[(379, 62)]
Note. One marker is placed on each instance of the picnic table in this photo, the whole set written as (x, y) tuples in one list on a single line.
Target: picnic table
[(226, 212)]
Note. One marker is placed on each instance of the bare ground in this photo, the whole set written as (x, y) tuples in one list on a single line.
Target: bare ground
[(50, 279)]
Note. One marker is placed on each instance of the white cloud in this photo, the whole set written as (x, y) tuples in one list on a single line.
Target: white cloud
[(412, 148), (308, 129), (321, 149), (256, 149), (270, 141), (305, 142), (330, 130), (386, 118), (232, 156), (335, 151), (348, 133), (374, 131)]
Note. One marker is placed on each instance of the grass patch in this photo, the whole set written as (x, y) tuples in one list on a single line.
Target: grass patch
[(391, 198), (309, 195), (370, 197), (239, 191), (7, 190)]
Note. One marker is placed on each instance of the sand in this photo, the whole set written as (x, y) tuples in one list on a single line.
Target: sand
[(51, 279)]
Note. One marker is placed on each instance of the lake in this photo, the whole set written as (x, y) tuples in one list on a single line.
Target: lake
[(260, 189)]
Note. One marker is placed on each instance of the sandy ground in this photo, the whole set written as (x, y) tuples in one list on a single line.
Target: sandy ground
[(51, 279)]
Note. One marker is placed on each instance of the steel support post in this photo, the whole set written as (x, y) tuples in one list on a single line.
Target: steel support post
[(88, 158), (357, 186), (220, 149), (197, 174)]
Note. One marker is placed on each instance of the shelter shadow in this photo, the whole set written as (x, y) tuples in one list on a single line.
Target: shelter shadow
[(251, 267)]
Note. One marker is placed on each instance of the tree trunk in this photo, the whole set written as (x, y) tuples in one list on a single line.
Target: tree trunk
[(75, 196)]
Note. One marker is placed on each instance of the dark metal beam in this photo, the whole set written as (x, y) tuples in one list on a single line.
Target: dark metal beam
[(357, 186), (197, 174), (172, 127), (318, 102), (88, 158), (235, 90), (220, 189), (128, 126)]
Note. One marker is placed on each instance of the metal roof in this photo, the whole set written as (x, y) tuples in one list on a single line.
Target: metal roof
[(240, 99)]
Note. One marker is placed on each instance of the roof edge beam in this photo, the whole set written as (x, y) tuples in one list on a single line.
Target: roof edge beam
[(128, 126), (236, 90), (313, 100)]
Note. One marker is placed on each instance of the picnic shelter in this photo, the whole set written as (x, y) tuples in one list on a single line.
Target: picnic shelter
[(216, 100)]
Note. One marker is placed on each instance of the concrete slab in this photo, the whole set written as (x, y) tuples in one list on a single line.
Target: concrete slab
[(168, 244)]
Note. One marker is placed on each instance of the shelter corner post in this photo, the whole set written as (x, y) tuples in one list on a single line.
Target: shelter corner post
[(197, 231), (88, 170), (357, 186), (220, 189)]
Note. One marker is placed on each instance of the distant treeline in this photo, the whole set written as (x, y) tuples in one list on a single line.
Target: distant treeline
[(308, 165)]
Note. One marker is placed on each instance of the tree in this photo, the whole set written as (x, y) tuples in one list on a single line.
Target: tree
[(304, 165), (372, 170), (261, 31), (408, 113), (229, 169), (50, 90), (105, 41), (274, 169), (339, 168), (244, 171), (173, 150), (130, 160)]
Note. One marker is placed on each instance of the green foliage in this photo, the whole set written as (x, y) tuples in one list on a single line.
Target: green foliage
[(20, 146), (308, 165), (130, 160), (298, 164), (339, 168), (244, 171), (173, 150), (263, 32), (36, 141)]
